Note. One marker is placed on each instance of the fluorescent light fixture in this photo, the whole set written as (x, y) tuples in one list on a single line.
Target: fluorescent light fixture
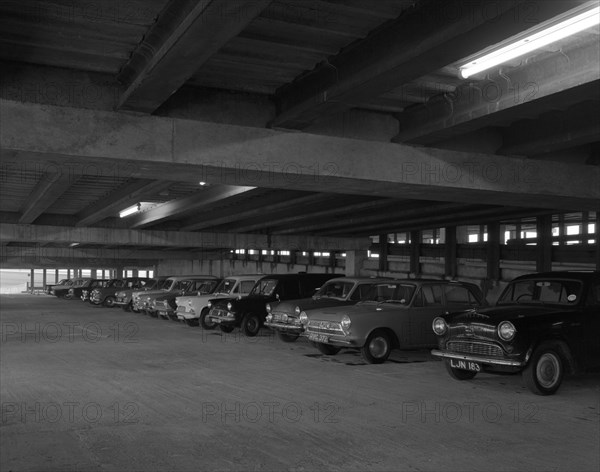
[(130, 211), (578, 20), (202, 183)]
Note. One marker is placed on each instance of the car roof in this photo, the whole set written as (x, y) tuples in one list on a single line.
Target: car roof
[(245, 277), (373, 280), (562, 274), (303, 275)]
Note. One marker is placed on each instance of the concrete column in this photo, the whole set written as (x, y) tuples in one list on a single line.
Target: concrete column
[(450, 264), (493, 251), (597, 238), (55, 276), (383, 253), (135, 273), (415, 252), (44, 278), (544, 243), (94, 274), (31, 280), (354, 263)]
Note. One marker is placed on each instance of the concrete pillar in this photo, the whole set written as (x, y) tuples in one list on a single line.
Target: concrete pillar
[(415, 252), (31, 280), (383, 253), (450, 264), (135, 273), (544, 243), (493, 251), (462, 234), (55, 276), (597, 239), (354, 263), (94, 274), (44, 278)]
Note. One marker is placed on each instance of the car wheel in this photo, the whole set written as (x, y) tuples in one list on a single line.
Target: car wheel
[(153, 314), (127, 307), (227, 329), (377, 348), (328, 349), (191, 322), (287, 337), (251, 325), (544, 372), (109, 302), (205, 321), (459, 374)]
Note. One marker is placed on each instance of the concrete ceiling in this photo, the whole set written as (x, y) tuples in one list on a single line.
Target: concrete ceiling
[(315, 123)]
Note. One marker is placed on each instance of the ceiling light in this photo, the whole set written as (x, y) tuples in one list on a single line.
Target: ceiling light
[(563, 26), (130, 211), (202, 183)]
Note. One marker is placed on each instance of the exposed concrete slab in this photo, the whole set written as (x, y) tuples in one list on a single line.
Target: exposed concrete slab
[(87, 388), (152, 147)]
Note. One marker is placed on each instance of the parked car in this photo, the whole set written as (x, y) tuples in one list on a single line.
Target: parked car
[(107, 295), (67, 291), (48, 288), (94, 285), (543, 326), (249, 313), (173, 285), (76, 291), (194, 309), (395, 314), (124, 297), (165, 305), (283, 316)]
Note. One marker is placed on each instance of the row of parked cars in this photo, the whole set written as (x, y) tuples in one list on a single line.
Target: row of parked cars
[(542, 326)]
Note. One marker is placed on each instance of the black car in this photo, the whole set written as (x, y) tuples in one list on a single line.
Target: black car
[(543, 326), (249, 312)]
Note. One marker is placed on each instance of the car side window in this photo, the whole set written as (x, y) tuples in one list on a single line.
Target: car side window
[(593, 298), (246, 286), (429, 295), (458, 295)]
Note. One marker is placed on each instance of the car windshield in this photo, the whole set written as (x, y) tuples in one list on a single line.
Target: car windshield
[(226, 286), (390, 293), (264, 287), (561, 292), (207, 286), (168, 284), (337, 290)]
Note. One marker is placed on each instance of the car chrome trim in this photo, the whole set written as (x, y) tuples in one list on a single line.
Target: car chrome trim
[(482, 359)]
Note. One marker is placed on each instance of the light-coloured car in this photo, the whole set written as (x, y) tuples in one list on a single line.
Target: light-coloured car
[(146, 301), (124, 297), (395, 314), (283, 316), (193, 309)]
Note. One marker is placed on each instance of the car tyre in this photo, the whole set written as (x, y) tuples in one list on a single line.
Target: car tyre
[(459, 374), (287, 337), (127, 307), (109, 302), (328, 349), (227, 329), (191, 322), (544, 372), (377, 348), (205, 322), (251, 325)]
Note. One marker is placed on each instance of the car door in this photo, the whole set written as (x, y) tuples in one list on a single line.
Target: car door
[(426, 305), (591, 326)]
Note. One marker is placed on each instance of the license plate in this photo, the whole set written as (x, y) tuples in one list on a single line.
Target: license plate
[(162, 313), (216, 320), (318, 338), (465, 365)]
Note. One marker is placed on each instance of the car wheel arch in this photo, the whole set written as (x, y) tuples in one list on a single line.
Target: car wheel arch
[(565, 352), (389, 331)]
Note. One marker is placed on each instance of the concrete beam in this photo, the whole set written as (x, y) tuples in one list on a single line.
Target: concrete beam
[(201, 199), (424, 39), (524, 90), (174, 239), (120, 199), (186, 34), (49, 188), (189, 151)]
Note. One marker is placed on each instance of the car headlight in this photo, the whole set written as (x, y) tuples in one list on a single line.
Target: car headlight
[(297, 310), (303, 317), (152, 303), (209, 304), (120, 294), (506, 330), (230, 306), (189, 303), (439, 326), (346, 322), (268, 307), (269, 317)]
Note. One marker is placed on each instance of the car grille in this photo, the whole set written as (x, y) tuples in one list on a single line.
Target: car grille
[(481, 349), (281, 317), (324, 327), (220, 312), (473, 329), (181, 309), (161, 304)]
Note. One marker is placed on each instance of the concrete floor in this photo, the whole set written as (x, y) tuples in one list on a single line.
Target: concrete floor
[(90, 388)]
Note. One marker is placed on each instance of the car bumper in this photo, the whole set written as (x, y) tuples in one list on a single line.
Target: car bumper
[(165, 312), (187, 315), (288, 328), (223, 320), (333, 339), (481, 359)]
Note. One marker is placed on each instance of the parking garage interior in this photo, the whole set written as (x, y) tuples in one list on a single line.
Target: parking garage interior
[(230, 137)]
